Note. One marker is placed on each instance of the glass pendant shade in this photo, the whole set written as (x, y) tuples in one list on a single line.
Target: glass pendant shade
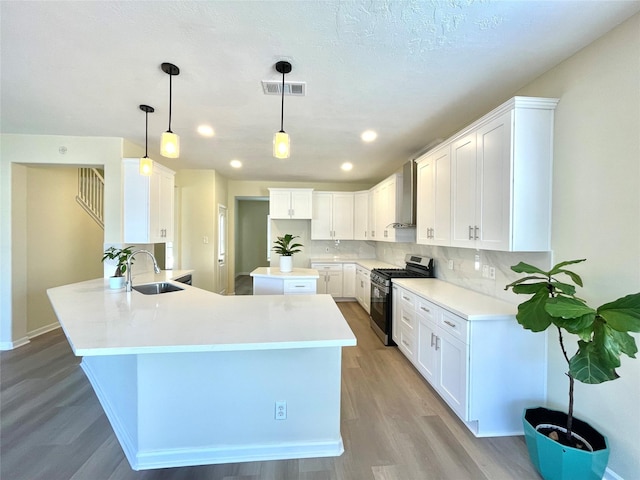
[(281, 146), (146, 166), (170, 145)]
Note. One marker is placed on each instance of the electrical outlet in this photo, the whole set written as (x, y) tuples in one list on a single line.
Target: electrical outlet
[(485, 271), (281, 410), (205, 240), (326, 249), (450, 264), (492, 273), (476, 263)]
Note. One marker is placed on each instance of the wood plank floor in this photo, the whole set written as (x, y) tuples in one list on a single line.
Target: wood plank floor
[(394, 426)]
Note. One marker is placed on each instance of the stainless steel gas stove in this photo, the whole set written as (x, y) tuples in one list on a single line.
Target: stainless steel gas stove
[(416, 266)]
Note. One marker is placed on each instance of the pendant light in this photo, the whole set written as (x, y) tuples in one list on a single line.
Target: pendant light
[(281, 145), (170, 142), (146, 164)]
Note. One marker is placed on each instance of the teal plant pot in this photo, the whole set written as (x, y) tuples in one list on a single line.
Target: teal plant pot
[(555, 461)]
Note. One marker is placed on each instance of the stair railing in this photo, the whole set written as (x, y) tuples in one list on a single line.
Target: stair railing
[(91, 193)]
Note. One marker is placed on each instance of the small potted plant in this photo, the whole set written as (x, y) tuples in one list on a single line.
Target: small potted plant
[(285, 247), (121, 255), (560, 446)]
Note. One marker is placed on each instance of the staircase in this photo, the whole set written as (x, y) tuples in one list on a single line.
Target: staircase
[(91, 193)]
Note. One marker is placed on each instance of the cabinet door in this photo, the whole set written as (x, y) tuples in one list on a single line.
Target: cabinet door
[(395, 312), (427, 361), (321, 227), (361, 216), (425, 215), (494, 184), (386, 209), (374, 199), (162, 214), (463, 195), (334, 284), (367, 291), (453, 370), (359, 287), (441, 195), (279, 204), (348, 280), (301, 204), (342, 216)]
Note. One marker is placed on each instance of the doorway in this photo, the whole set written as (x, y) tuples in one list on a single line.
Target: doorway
[(251, 240)]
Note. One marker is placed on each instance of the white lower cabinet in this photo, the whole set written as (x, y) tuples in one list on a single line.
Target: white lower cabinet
[(330, 280), (349, 280), (486, 370), (363, 287)]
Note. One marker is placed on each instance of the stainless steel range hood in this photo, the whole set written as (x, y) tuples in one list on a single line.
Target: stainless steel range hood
[(407, 217)]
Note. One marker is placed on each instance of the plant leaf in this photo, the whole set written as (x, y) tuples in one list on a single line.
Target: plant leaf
[(558, 267), (530, 288), (526, 268), (589, 365), (532, 314), (568, 307), (622, 314)]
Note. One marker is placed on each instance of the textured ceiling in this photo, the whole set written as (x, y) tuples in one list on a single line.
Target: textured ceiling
[(414, 71)]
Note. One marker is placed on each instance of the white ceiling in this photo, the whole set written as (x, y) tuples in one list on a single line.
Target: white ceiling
[(413, 71)]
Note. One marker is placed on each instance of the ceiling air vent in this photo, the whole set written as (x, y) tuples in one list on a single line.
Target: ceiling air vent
[(274, 87)]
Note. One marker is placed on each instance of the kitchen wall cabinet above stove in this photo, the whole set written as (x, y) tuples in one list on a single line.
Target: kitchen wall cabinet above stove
[(332, 216), (290, 203), (148, 203), (501, 169)]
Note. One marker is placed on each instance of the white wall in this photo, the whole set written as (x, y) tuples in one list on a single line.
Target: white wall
[(64, 244), (596, 213)]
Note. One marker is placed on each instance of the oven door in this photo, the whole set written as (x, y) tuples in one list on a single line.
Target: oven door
[(379, 307)]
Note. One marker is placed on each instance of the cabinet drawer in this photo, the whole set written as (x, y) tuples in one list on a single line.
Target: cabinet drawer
[(455, 325), (426, 309), (327, 267), (300, 286), (406, 343), (406, 299), (407, 317)]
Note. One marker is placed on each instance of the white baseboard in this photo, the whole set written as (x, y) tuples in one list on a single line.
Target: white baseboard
[(42, 330), (14, 344)]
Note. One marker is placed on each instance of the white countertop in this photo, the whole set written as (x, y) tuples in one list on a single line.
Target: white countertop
[(466, 303), (100, 321), (296, 273), (368, 263)]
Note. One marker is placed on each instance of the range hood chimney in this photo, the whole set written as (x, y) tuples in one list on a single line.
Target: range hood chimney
[(407, 217)]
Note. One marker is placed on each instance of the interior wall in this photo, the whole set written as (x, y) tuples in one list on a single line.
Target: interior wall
[(17, 151), (251, 236), (198, 231), (64, 244), (596, 214)]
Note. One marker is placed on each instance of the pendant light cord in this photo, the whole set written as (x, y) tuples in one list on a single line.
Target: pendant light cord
[(146, 134), (282, 106), (170, 96)]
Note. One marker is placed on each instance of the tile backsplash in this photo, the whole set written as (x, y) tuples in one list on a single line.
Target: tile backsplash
[(464, 271)]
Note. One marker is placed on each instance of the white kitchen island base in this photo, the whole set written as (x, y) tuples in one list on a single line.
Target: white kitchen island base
[(183, 409), (192, 377)]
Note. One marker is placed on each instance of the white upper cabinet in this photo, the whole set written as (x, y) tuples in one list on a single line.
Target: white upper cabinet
[(361, 216), (433, 218), (290, 203), (332, 216), (148, 204), (501, 178)]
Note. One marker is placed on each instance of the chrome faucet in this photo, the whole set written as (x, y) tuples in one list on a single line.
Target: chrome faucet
[(156, 269)]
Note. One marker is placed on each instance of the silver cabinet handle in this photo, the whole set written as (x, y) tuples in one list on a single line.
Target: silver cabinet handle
[(451, 324), (405, 343), (476, 231), (470, 232), (437, 343), (433, 336), (425, 309)]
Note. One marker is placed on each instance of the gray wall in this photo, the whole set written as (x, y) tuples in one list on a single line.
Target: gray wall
[(251, 236)]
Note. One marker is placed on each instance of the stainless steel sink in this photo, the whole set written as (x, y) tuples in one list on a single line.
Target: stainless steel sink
[(156, 288)]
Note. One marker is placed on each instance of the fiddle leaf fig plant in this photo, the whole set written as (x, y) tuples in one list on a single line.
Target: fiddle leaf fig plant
[(285, 247), (121, 255), (602, 332)]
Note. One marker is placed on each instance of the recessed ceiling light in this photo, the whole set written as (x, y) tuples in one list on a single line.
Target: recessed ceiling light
[(235, 163), (206, 131), (368, 136), (346, 166)]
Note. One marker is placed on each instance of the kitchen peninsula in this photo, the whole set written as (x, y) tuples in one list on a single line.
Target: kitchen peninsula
[(271, 281), (191, 377)]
